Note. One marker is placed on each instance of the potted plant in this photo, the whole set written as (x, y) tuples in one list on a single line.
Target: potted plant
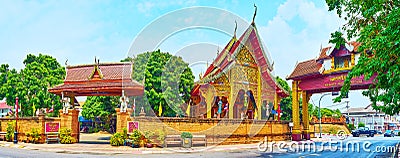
[(34, 135), (148, 135), (117, 139), (160, 138), (136, 138), (186, 139)]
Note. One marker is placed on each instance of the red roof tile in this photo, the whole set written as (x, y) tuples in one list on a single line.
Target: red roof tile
[(251, 40), (114, 77), (110, 71), (309, 67), (3, 105), (322, 54)]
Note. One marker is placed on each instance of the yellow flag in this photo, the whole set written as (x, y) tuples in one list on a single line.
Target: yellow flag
[(188, 110), (34, 109), (255, 113), (160, 110)]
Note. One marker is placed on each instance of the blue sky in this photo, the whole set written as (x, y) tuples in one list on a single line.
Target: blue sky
[(292, 30)]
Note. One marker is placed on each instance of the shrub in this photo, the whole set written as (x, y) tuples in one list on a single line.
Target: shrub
[(148, 136), (351, 126), (34, 135), (10, 131), (186, 135), (136, 137), (125, 133), (161, 136), (361, 124), (66, 136), (117, 139)]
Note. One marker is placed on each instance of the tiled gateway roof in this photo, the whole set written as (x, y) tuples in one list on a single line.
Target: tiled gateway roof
[(101, 79), (3, 105), (309, 67), (110, 71), (326, 52)]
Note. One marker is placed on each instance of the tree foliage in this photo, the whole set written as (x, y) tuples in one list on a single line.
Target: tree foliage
[(168, 81), (286, 103), (31, 83), (99, 106), (375, 25)]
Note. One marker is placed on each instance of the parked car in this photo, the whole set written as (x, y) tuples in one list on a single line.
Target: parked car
[(379, 132), (363, 131), (396, 132), (388, 133)]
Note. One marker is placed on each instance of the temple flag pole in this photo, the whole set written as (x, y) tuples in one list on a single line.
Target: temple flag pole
[(134, 107)]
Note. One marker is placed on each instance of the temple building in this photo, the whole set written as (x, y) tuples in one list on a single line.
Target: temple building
[(239, 82)]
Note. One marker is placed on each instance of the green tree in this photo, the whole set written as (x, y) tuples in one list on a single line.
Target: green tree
[(168, 81), (31, 84), (375, 25), (102, 107), (286, 103), (361, 124)]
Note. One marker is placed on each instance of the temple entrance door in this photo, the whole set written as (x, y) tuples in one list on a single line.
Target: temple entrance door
[(251, 105), (239, 104)]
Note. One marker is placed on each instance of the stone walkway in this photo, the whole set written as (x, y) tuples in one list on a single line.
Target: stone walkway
[(99, 145)]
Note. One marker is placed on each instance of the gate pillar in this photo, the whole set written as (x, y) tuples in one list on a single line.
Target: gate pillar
[(122, 119), (71, 121), (296, 134)]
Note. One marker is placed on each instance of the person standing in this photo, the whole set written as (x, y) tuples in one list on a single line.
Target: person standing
[(219, 108)]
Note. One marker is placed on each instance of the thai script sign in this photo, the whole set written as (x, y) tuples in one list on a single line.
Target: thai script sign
[(333, 81), (51, 127), (133, 125), (339, 80)]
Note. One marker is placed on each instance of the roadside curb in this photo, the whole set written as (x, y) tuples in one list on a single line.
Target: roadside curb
[(95, 150)]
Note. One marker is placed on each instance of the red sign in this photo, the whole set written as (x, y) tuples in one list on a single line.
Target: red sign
[(52, 127), (333, 81), (133, 125)]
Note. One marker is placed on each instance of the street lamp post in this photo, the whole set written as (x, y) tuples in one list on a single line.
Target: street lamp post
[(16, 122), (319, 113)]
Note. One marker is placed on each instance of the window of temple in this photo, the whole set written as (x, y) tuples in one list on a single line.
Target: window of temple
[(342, 62)]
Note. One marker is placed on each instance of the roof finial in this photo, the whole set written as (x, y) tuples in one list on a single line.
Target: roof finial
[(320, 48), (255, 12), (234, 33), (95, 59)]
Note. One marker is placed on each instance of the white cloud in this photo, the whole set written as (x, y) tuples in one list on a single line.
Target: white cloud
[(288, 46), (145, 7)]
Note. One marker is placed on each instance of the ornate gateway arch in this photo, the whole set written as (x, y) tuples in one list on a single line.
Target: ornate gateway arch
[(323, 74)]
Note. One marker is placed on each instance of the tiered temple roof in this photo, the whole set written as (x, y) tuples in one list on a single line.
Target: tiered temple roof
[(225, 59), (313, 67)]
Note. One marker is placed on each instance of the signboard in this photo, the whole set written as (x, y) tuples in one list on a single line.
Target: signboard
[(133, 125), (52, 127), (328, 82)]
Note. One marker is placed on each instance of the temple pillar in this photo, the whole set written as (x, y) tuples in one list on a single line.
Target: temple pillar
[(259, 96), (71, 121), (296, 133), (122, 119), (306, 121), (231, 102)]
